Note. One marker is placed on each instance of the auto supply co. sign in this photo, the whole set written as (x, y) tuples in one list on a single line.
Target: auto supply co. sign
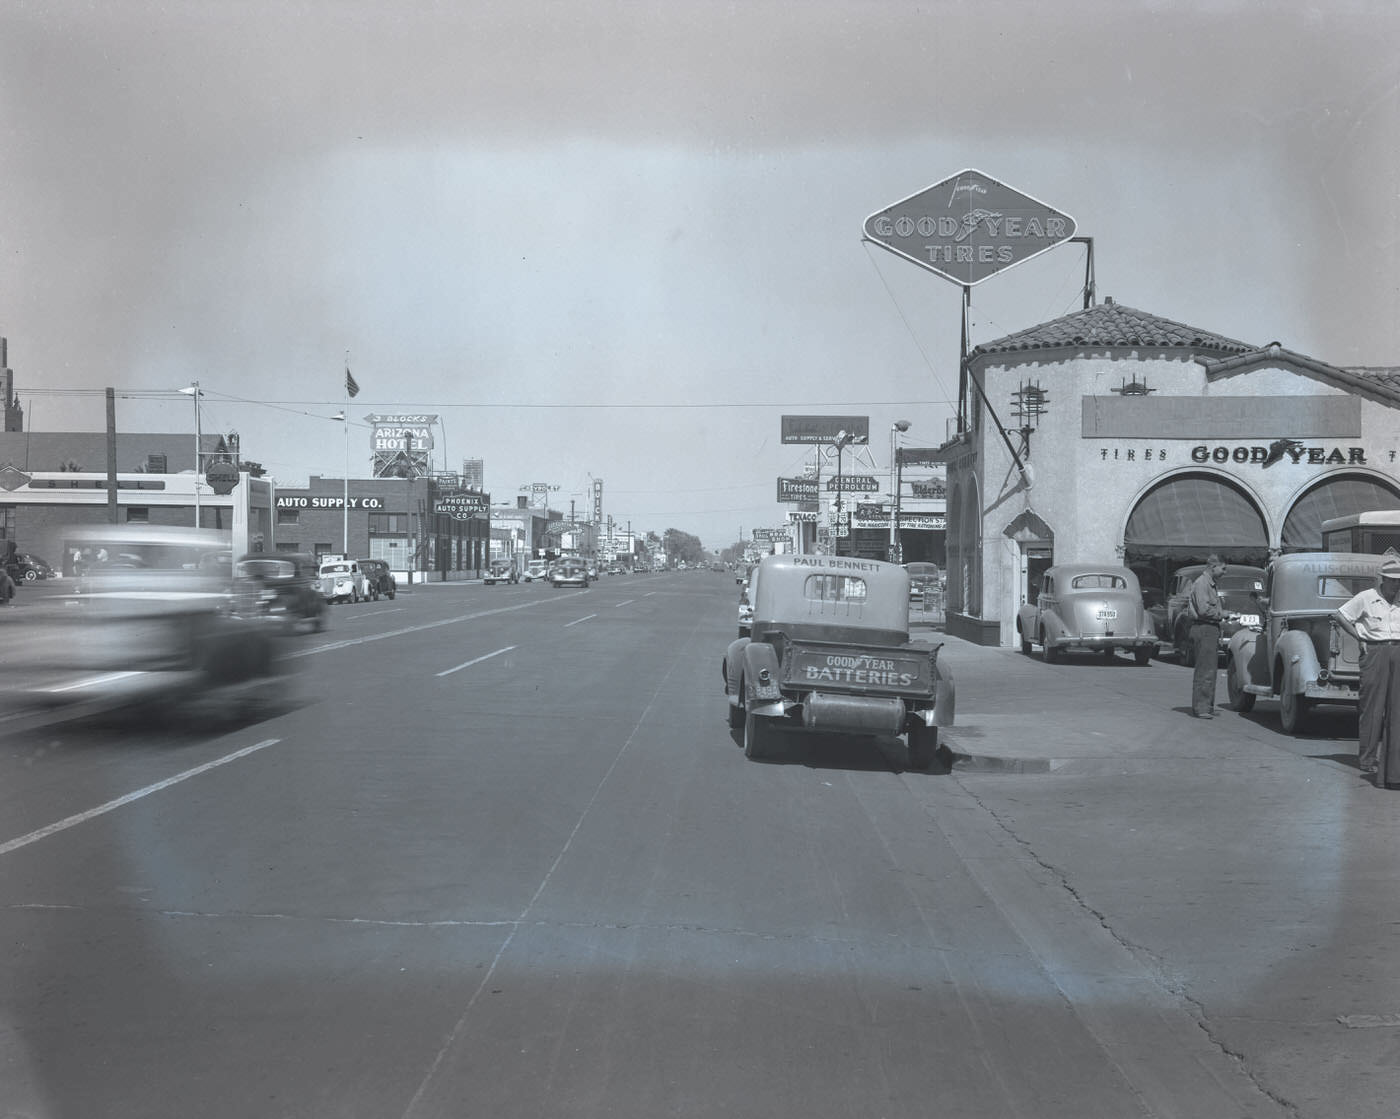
[(968, 227)]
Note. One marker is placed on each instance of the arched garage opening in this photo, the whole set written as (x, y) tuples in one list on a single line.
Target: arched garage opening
[(1332, 497), (1184, 519)]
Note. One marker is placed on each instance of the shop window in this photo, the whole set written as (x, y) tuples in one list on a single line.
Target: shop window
[(288, 516), (388, 524), (288, 546), (137, 515)]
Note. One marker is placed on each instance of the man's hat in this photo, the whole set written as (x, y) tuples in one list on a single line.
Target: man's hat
[(1390, 569)]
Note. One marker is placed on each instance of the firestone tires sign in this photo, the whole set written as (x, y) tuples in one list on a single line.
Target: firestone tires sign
[(968, 228)]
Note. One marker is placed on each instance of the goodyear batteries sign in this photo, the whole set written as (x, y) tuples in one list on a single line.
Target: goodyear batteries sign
[(968, 227)]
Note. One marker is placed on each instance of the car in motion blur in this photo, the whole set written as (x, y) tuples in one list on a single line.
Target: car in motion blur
[(281, 586), (154, 620)]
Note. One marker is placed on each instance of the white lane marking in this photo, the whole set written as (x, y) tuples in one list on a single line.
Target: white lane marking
[(419, 628), (81, 817), (577, 620), (92, 681), (626, 602), (476, 660)]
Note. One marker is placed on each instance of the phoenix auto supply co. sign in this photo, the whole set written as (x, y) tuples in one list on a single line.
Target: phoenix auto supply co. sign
[(968, 227)]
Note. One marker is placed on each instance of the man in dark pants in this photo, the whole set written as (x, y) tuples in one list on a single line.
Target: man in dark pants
[(1373, 618), (1204, 605)]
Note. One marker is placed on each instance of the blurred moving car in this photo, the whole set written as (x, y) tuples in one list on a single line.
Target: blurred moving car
[(1087, 606), (26, 567), (569, 572), (501, 571), (1237, 588), (829, 651), (1296, 653), (285, 586), (536, 569), (341, 579), (379, 580), (152, 622)]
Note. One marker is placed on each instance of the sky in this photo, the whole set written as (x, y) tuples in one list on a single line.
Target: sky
[(619, 241)]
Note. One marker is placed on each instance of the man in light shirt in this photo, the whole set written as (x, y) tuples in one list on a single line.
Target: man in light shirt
[(1373, 618)]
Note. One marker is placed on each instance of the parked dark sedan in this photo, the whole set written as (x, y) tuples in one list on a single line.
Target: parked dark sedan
[(379, 580), (28, 568)]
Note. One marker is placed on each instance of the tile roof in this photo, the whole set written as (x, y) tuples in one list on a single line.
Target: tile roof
[(1110, 324), (1387, 375)]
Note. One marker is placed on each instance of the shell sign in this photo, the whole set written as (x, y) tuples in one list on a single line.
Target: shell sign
[(968, 227)]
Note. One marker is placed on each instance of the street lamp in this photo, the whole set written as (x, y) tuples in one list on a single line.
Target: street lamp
[(193, 391), (896, 481), (843, 439)]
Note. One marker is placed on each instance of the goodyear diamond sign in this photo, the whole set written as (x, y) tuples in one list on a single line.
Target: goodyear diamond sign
[(968, 227)]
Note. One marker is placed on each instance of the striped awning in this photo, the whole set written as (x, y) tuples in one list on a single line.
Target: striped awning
[(1197, 512)]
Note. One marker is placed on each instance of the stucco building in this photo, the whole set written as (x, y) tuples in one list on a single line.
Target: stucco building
[(1114, 435)]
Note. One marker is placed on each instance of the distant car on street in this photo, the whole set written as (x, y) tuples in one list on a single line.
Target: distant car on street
[(501, 571), (341, 579), (569, 572), (537, 569), (1097, 607), (28, 568), (379, 580)]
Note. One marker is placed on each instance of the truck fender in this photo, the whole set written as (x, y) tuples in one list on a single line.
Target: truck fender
[(760, 674), (733, 666), (1297, 655), (1240, 653)]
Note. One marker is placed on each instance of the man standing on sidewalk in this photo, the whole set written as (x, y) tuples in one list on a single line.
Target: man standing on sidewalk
[(1373, 618), (1204, 605)]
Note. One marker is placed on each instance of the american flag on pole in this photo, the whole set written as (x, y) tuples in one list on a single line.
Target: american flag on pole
[(352, 387)]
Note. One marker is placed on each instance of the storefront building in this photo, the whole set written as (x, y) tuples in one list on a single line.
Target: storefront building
[(1114, 436), (398, 520)]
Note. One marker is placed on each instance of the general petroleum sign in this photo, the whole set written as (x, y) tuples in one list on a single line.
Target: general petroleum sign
[(968, 227)]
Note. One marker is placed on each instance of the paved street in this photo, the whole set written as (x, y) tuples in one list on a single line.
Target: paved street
[(502, 856)]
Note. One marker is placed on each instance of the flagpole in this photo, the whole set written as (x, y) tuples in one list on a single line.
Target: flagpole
[(345, 499)]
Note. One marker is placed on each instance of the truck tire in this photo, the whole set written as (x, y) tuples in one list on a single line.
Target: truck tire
[(736, 716), (1293, 711), (1025, 644), (1240, 700), (1142, 655), (923, 746), (758, 737)]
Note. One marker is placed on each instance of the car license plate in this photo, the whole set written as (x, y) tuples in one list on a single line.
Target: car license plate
[(1249, 619), (1106, 615)]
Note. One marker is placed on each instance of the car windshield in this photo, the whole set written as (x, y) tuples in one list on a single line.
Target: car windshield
[(335, 569), (1245, 583), (1099, 581)]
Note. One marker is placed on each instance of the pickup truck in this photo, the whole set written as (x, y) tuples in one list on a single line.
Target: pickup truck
[(1297, 653), (829, 650)]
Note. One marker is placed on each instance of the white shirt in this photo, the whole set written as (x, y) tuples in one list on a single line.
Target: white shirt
[(1373, 617)]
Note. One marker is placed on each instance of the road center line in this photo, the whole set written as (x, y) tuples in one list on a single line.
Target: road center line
[(577, 620), (476, 660), (625, 602), (81, 817)]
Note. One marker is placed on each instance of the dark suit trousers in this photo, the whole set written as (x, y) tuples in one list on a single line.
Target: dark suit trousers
[(1378, 745), (1205, 639)]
